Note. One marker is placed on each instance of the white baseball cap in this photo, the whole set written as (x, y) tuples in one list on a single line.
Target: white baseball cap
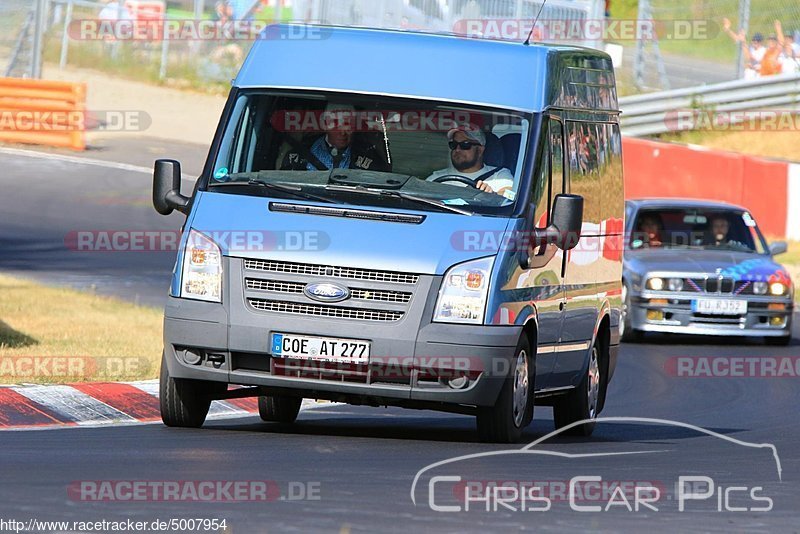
[(472, 132)]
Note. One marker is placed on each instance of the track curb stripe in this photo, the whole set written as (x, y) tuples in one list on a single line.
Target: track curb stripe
[(17, 410), (78, 407), (95, 404), (123, 397)]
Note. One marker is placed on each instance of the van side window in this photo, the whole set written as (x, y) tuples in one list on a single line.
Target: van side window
[(550, 171), (557, 154), (584, 162), (611, 177)]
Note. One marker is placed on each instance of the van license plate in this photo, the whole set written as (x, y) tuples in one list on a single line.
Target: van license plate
[(720, 306), (324, 349)]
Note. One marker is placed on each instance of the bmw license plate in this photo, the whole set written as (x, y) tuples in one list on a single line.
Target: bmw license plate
[(324, 349), (720, 306)]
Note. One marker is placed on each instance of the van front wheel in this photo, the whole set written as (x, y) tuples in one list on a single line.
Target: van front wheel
[(513, 411), (279, 409), (184, 403)]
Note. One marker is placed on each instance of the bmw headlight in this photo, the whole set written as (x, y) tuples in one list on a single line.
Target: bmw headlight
[(777, 289), (202, 269), (462, 298), (656, 284), (760, 288), (675, 284)]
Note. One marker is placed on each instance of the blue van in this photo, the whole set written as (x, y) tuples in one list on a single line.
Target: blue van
[(391, 218)]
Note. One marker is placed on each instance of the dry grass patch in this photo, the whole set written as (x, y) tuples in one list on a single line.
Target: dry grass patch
[(53, 335)]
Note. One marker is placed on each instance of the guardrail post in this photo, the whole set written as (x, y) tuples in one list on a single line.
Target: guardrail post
[(62, 62), (162, 71), (38, 38), (744, 24), (638, 58)]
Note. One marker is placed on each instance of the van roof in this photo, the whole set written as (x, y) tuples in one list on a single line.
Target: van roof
[(492, 73)]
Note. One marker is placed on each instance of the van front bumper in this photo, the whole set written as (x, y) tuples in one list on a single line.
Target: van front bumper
[(411, 362)]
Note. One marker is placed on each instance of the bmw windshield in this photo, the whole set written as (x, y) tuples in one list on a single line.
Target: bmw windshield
[(697, 228), (372, 151)]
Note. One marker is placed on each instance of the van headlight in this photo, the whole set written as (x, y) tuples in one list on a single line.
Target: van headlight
[(462, 298), (202, 269)]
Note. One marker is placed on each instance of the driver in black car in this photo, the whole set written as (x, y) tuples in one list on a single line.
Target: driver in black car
[(467, 145), (339, 147)]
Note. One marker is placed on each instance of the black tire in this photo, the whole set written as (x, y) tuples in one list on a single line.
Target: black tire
[(185, 403), (627, 333), (505, 421), (783, 341), (279, 409), (579, 404)]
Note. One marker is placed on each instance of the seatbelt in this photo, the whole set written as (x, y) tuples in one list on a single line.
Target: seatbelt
[(487, 174), (337, 158)]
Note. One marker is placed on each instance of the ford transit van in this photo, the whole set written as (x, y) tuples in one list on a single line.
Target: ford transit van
[(392, 218)]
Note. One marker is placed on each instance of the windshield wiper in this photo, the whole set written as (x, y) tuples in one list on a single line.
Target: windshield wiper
[(295, 191), (397, 194)]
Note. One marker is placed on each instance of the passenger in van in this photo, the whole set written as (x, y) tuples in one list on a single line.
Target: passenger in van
[(467, 146), (337, 148)]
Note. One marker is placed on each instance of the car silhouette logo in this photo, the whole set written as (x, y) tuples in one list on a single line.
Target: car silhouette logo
[(326, 292)]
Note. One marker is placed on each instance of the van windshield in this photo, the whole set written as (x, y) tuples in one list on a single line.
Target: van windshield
[(372, 151)]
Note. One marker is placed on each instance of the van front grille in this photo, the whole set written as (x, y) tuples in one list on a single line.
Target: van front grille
[(307, 269), (325, 311), (278, 286)]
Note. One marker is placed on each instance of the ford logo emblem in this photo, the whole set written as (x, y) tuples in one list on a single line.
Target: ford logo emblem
[(326, 292)]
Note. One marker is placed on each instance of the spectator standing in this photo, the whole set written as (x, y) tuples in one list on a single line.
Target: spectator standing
[(753, 54), (790, 51)]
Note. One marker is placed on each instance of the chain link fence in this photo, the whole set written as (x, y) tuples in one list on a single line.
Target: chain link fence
[(16, 46), (703, 52), (674, 57)]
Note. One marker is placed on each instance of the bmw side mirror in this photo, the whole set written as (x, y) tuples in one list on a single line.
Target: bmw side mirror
[(167, 187), (778, 247)]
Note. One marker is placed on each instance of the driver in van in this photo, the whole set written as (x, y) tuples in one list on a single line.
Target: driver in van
[(467, 145), (336, 148)]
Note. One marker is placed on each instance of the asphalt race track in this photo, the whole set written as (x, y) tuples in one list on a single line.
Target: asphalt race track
[(343, 468), (48, 199)]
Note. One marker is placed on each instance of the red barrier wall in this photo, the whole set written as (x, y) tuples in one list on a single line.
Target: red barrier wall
[(655, 169)]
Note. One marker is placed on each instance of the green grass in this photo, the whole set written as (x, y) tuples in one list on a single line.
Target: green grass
[(185, 14), (188, 66)]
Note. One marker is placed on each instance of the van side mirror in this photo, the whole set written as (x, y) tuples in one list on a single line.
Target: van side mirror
[(167, 187), (564, 230), (778, 247), (567, 221)]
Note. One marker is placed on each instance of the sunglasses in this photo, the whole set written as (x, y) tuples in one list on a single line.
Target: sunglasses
[(463, 145)]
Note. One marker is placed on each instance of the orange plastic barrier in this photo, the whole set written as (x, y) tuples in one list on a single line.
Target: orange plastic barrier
[(667, 170), (43, 112)]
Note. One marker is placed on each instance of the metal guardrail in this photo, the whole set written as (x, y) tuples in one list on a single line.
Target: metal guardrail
[(657, 113)]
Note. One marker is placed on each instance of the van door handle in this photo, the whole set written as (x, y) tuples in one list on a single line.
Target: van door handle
[(560, 306)]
